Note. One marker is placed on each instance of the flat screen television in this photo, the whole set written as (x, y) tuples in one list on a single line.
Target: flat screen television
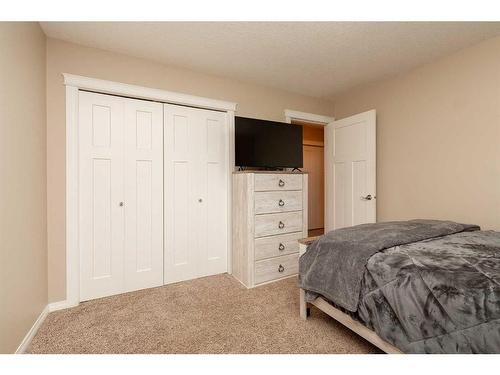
[(270, 144)]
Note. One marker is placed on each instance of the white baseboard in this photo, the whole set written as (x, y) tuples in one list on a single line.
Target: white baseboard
[(31, 333), (60, 305)]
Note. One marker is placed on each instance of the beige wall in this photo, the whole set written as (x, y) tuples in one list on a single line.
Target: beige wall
[(253, 101), (438, 138), (23, 232)]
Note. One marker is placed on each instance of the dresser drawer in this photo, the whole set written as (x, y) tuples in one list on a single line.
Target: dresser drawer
[(268, 247), (268, 182), (275, 268), (270, 224), (277, 201)]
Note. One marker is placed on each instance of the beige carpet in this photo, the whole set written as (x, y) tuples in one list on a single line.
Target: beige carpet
[(210, 315)]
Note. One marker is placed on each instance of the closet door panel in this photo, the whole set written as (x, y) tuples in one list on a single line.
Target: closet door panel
[(178, 237), (181, 242), (143, 205), (100, 192), (214, 168), (198, 178), (195, 193)]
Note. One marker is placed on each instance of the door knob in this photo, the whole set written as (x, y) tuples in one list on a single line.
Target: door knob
[(281, 247), (281, 203), (281, 183), (200, 200), (121, 204), (281, 268), (367, 198), (281, 225)]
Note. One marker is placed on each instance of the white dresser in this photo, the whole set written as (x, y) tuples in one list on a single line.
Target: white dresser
[(269, 216)]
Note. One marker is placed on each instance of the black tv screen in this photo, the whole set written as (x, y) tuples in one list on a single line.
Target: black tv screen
[(261, 143)]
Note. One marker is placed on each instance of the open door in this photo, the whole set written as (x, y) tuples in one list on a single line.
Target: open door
[(350, 171)]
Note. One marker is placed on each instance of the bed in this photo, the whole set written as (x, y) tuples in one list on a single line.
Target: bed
[(418, 286)]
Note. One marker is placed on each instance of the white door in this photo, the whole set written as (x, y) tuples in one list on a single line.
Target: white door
[(350, 171), (120, 194), (143, 191), (195, 181), (100, 192)]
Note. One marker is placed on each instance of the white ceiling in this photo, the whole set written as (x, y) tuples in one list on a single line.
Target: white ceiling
[(318, 59)]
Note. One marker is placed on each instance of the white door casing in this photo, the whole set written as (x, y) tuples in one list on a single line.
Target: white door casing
[(196, 192), (74, 86), (350, 171), (121, 188), (291, 115)]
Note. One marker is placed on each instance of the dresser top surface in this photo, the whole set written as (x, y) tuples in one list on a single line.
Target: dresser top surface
[(270, 172)]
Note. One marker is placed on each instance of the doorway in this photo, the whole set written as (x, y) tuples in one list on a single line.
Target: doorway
[(313, 155), (349, 168)]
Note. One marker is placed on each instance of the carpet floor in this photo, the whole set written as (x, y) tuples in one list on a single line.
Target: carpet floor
[(214, 314)]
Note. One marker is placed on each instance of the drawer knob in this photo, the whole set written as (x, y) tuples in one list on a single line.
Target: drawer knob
[(281, 203), (281, 183), (281, 225), (281, 268), (281, 247)]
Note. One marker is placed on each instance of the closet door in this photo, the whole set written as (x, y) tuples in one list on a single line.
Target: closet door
[(213, 176), (121, 195), (100, 193), (143, 205), (195, 192)]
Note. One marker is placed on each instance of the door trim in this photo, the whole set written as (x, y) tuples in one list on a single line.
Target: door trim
[(74, 84), (140, 92), (307, 117), (319, 120)]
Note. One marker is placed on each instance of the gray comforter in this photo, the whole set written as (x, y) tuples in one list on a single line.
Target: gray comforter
[(434, 295), (334, 265)]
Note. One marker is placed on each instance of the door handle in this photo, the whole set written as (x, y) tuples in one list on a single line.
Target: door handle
[(281, 203), (368, 197), (281, 225)]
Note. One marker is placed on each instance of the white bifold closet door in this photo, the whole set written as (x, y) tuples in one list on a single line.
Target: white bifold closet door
[(120, 194), (195, 182)]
